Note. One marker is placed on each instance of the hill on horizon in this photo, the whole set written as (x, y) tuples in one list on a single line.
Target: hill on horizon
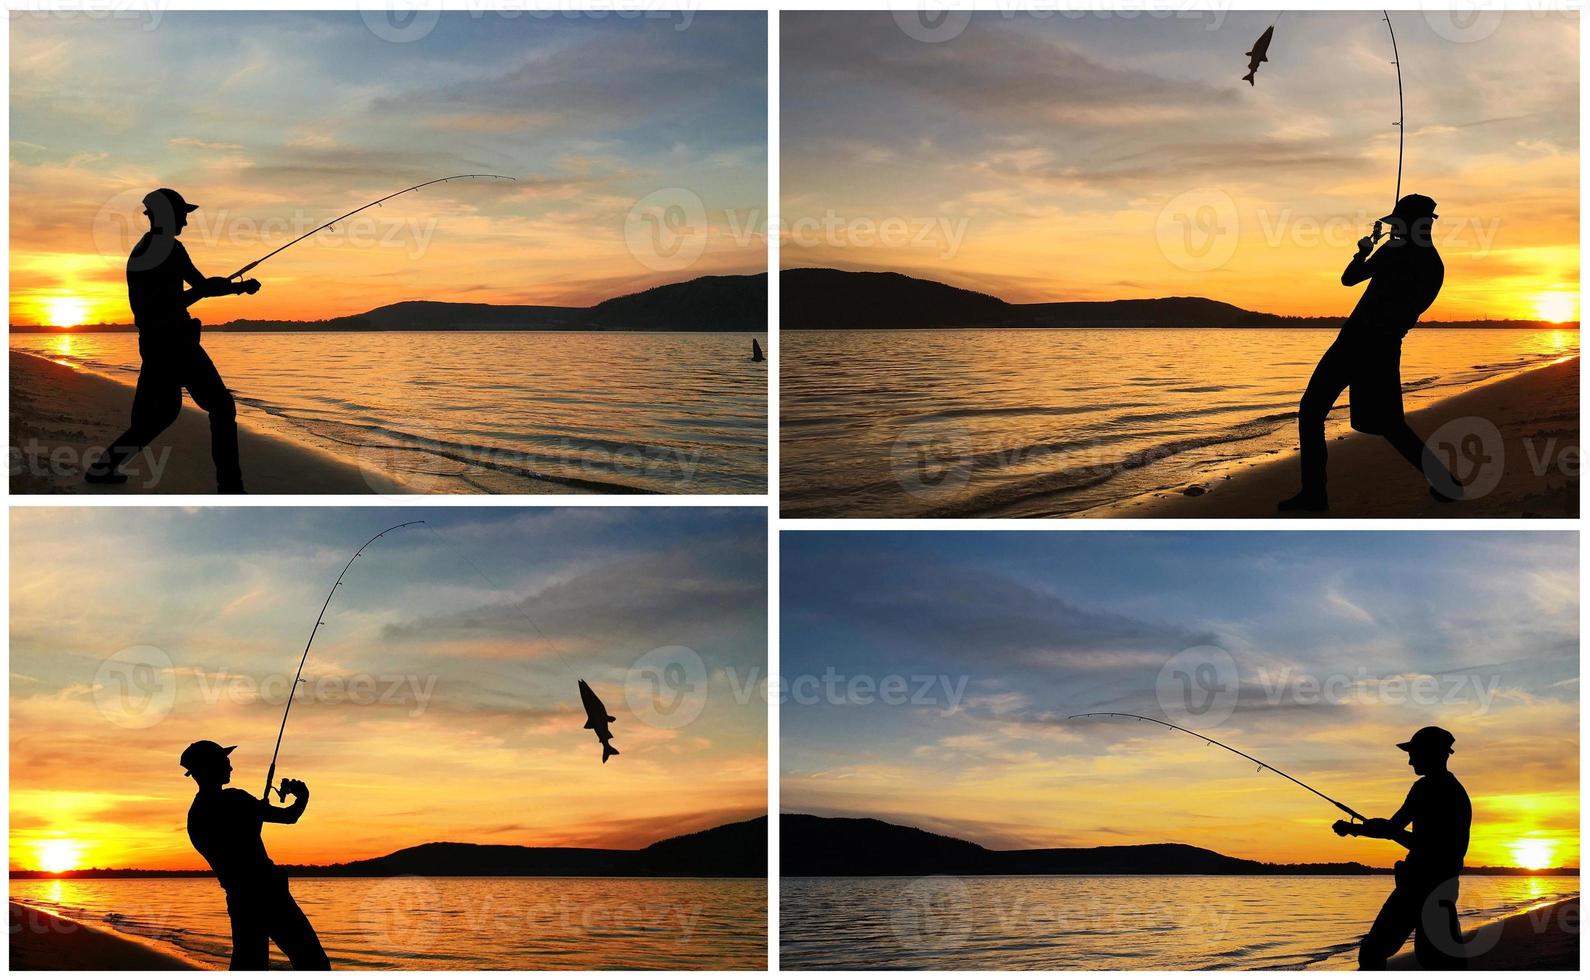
[(812, 846), (706, 303), (735, 850), (834, 299)]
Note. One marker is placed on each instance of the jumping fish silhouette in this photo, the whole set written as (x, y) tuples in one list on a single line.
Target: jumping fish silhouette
[(597, 718), (1260, 53)]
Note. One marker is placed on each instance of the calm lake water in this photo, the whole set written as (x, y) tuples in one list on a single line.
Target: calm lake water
[(1111, 923), (453, 923), (1023, 423), (502, 412)]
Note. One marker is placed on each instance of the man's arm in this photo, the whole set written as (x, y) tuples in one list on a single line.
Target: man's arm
[(1393, 828), (288, 814), (204, 288), (1359, 268)]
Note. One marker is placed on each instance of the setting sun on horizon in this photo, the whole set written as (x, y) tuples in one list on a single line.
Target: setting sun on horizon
[(440, 700), (1042, 157), (1317, 653), (1561, 306), (64, 311), (57, 855), (274, 122)]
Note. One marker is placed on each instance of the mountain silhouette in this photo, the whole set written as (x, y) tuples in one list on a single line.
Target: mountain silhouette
[(812, 846), (736, 850), (723, 302), (832, 299), (707, 303)]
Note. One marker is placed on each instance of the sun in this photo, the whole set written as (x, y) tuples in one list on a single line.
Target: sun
[(65, 311), (1556, 307), (56, 856), (1533, 854)]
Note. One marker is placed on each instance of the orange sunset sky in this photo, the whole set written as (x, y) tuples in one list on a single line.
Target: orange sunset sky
[(1088, 156), (276, 122), (442, 700), (1315, 652)]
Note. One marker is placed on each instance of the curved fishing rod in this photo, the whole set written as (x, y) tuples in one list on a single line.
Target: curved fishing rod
[(1396, 59), (375, 203), (270, 775), (1262, 765)]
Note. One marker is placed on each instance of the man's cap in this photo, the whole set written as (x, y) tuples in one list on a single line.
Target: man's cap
[(1411, 208), (166, 197), (1431, 738), (202, 754)]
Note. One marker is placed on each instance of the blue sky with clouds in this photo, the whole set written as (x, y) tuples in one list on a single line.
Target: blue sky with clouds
[(265, 114), (1056, 141), (1033, 626), (496, 611)]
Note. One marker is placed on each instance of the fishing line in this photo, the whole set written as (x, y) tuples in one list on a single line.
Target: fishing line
[(551, 644), (1261, 764), (320, 620), (375, 203)]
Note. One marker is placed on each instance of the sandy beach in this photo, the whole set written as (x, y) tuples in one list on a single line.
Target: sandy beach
[(1523, 431), (61, 417), (42, 941), (1542, 938)]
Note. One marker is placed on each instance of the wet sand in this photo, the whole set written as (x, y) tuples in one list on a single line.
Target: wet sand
[(61, 417), (1520, 433), (1543, 938), (42, 941)]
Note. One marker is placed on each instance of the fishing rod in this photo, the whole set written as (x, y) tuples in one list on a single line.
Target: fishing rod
[(372, 204), (1262, 765), (1396, 59), (320, 620)]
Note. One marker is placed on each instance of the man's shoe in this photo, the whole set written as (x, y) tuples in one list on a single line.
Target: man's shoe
[(231, 488), (1304, 501)]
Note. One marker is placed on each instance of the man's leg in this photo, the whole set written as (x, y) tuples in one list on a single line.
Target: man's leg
[(1438, 939), (1396, 920), (1412, 448), (1324, 387), (250, 939), (157, 401), (209, 392), (295, 937)]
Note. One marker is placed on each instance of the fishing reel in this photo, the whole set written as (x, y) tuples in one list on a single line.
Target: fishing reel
[(217, 286)]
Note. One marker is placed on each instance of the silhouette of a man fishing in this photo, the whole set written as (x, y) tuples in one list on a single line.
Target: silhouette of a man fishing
[(1424, 901), (224, 826), (168, 342), (1405, 276)]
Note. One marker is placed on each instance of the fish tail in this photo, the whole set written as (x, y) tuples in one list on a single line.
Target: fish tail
[(1248, 78), (608, 750)]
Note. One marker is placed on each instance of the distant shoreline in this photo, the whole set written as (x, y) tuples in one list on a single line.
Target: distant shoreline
[(1278, 872), (27, 331), (836, 299)]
